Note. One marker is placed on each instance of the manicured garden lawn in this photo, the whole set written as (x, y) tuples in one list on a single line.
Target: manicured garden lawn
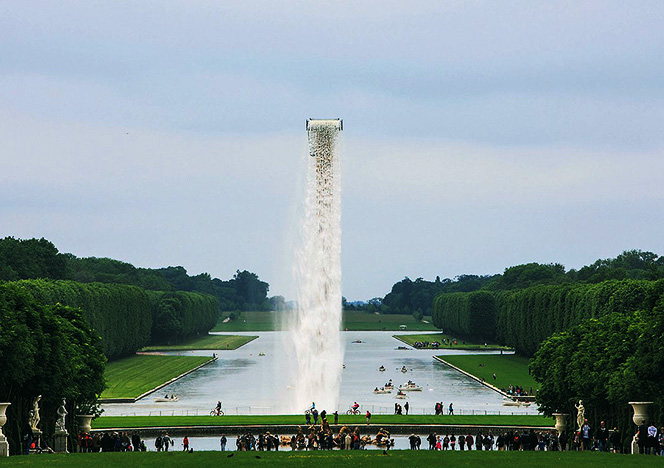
[(365, 321), (135, 375), (411, 339), (209, 342), (352, 320), (510, 369), (250, 321), (336, 458), (104, 422)]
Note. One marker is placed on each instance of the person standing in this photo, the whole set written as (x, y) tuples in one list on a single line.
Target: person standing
[(368, 417), (406, 406), (602, 436), (166, 441), (222, 442), (585, 436), (185, 444), (336, 417)]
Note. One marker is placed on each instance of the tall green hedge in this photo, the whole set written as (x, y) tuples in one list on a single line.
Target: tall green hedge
[(467, 314), (178, 315), (121, 314), (127, 317), (523, 318)]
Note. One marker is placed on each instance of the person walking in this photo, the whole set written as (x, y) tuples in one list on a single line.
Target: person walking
[(368, 417), (450, 410)]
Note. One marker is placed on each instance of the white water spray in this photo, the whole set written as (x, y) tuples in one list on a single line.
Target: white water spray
[(316, 328)]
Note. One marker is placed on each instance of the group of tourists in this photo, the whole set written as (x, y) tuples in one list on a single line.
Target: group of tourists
[(426, 344), (515, 390), (513, 440), (439, 409), (247, 442), (649, 439), (110, 442)]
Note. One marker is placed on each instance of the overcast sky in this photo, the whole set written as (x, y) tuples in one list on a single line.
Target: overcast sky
[(477, 135)]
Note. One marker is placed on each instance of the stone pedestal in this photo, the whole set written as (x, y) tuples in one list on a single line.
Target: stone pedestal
[(60, 442), (36, 438)]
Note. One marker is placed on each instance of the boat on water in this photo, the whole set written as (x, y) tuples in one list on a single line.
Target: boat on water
[(512, 402), (261, 353), (410, 387), (381, 368), (167, 399), (401, 395), (404, 370), (382, 390)]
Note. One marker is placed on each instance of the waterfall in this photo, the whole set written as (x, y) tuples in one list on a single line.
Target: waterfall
[(316, 328)]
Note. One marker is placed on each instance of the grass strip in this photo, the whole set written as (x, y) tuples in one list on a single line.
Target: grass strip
[(449, 344), (510, 369), (208, 342), (352, 320), (334, 459), (131, 377), (105, 422)]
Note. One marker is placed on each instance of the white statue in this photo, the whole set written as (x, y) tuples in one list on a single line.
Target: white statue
[(33, 420), (60, 425), (580, 414)]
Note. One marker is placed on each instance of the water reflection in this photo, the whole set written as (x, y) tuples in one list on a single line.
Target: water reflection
[(248, 383)]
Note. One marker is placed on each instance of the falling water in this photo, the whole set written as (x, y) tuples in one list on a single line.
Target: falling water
[(316, 328)]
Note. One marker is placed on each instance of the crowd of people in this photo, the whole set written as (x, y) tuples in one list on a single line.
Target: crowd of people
[(110, 442), (426, 344)]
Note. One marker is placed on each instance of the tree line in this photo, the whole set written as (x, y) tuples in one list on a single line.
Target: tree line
[(39, 258)]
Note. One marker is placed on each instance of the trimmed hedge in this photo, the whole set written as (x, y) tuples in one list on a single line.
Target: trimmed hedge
[(523, 318), (126, 317), (467, 314)]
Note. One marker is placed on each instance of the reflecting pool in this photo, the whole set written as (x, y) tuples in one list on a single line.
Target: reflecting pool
[(248, 382)]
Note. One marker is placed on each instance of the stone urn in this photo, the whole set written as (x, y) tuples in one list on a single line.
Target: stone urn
[(84, 422), (640, 411), (561, 422), (4, 445)]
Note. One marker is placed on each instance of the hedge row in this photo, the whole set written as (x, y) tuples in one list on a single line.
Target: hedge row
[(467, 314), (525, 317), (126, 317), (178, 315)]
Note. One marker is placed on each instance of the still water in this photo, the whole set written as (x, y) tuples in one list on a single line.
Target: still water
[(250, 383)]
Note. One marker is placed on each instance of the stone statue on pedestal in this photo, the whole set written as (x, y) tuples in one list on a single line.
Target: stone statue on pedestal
[(580, 414), (60, 425), (33, 420)]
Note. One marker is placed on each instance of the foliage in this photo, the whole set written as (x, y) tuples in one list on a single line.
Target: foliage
[(466, 314), (179, 315), (47, 350), (606, 362), (29, 258), (409, 297), (121, 314)]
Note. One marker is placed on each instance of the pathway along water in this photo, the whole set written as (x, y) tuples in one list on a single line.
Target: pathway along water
[(248, 383)]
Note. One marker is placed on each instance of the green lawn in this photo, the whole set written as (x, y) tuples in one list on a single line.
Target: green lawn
[(352, 320), (104, 422), (250, 321), (365, 321), (135, 375), (209, 342), (336, 458), (460, 344), (510, 369)]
